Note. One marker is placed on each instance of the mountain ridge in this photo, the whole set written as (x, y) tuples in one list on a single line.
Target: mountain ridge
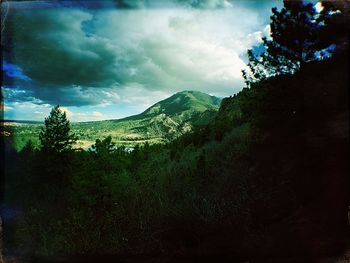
[(173, 116), (160, 123), (166, 106)]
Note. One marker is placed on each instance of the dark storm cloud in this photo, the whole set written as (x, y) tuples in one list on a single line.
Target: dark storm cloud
[(77, 57), (42, 4), (52, 48), (68, 96), (76, 96), (261, 5)]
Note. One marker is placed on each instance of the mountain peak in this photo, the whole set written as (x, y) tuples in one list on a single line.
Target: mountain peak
[(184, 101), (193, 92)]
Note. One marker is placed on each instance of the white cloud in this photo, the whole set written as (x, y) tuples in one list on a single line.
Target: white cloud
[(132, 57), (97, 114), (27, 111), (160, 49), (88, 116), (30, 105), (7, 108), (138, 97), (319, 7), (172, 50), (69, 114)]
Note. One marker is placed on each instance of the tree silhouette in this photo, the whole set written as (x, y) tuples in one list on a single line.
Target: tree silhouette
[(294, 41), (336, 15), (104, 147), (56, 136)]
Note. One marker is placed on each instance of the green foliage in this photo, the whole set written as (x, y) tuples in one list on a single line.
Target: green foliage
[(56, 137), (104, 147), (28, 148), (161, 123), (294, 41)]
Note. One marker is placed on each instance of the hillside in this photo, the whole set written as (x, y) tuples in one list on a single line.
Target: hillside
[(265, 176), (161, 122)]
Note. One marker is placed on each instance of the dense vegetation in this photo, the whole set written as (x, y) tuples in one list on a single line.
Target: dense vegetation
[(162, 122), (267, 178)]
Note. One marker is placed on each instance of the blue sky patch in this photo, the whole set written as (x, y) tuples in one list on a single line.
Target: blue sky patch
[(14, 71)]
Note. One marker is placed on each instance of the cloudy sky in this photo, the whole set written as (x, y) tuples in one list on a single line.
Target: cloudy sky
[(114, 58)]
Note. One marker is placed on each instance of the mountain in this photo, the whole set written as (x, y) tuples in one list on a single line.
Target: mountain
[(175, 115), (162, 122), (185, 101)]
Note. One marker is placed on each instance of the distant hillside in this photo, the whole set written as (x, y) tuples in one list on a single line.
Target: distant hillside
[(185, 101), (173, 116), (162, 122)]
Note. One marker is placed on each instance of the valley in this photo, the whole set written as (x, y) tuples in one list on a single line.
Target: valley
[(163, 122)]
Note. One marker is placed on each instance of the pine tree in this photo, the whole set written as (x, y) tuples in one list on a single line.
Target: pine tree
[(294, 41), (56, 136)]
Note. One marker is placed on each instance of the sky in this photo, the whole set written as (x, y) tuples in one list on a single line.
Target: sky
[(114, 58)]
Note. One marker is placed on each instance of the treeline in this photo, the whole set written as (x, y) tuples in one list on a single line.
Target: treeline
[(110, 201), (267, 178)]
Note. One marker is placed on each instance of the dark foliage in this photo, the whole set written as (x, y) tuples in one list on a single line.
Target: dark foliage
[(295, 39), (55, 137)]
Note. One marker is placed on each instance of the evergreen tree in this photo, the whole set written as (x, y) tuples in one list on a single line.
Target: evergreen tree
[(104, 147), (294, 41), (56, 136)]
